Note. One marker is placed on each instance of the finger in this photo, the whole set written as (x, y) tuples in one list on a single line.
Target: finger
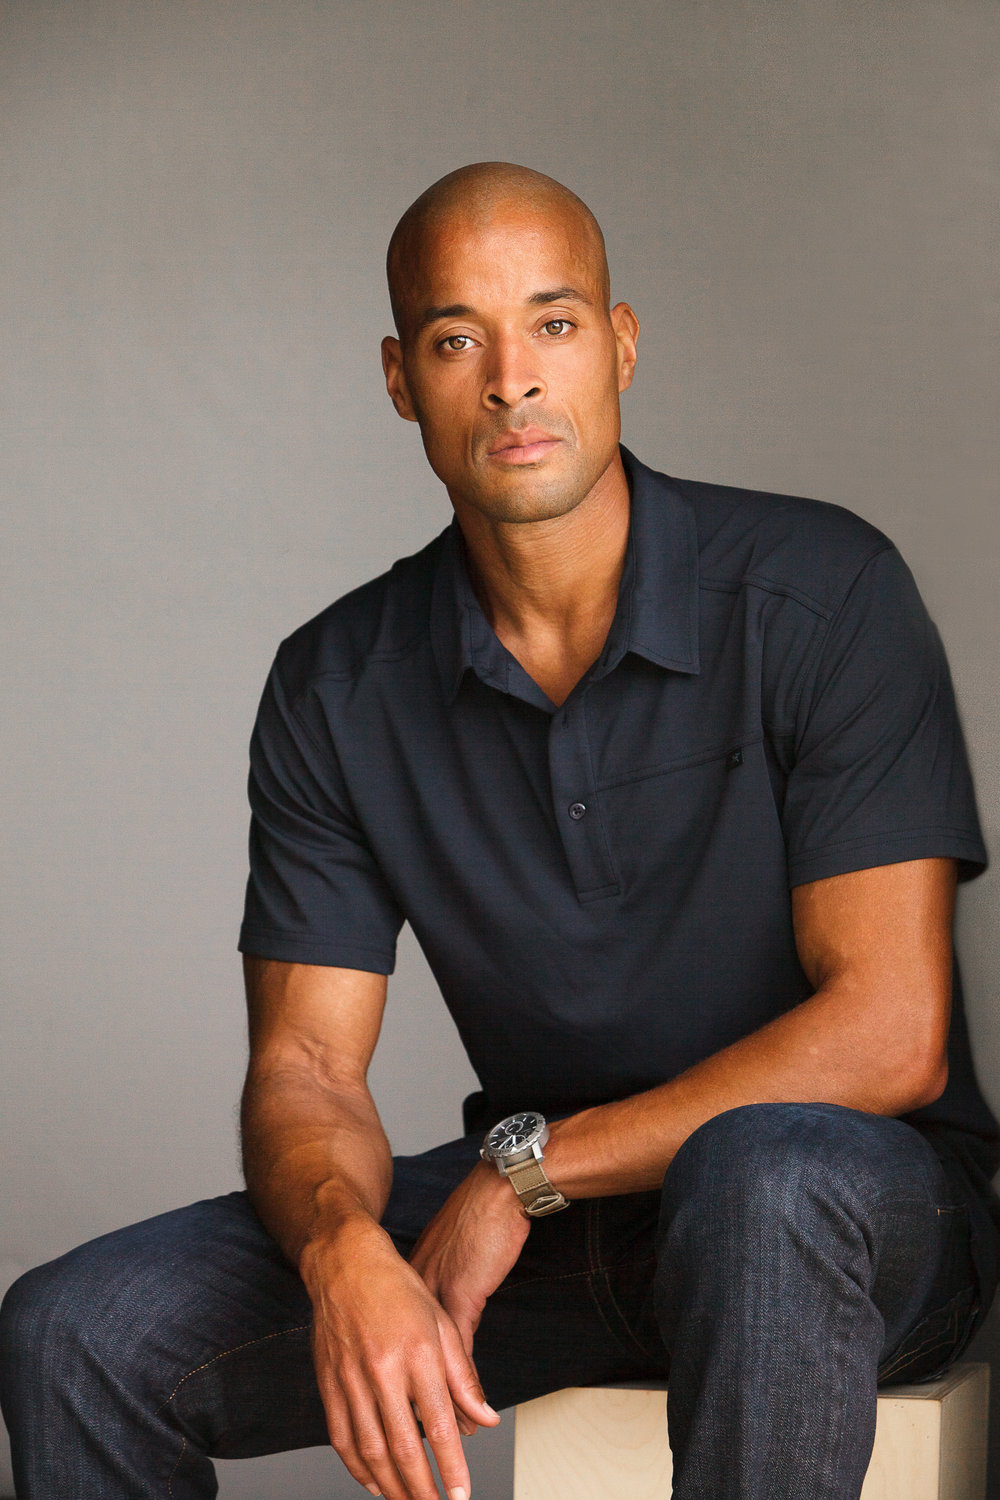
[(442, 1433), (463, 1380), (466, 1426), (342, 1438), (373, 1446), (405, 1444)]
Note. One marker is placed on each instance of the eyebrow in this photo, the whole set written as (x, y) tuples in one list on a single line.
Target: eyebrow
[(537, 299), (559, 294)]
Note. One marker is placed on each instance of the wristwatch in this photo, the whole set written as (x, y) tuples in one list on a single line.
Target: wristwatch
[(515, 1145)]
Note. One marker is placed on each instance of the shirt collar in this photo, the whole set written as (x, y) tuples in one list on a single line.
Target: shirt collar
[(657, 614)]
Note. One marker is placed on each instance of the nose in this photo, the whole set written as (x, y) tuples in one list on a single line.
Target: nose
[(511, 376)]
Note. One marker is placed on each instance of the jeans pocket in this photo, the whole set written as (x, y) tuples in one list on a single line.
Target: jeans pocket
[(938, 1338), (934, 1343)]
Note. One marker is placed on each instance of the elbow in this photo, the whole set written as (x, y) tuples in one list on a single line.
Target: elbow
[(934, 1084), (921, 1083)]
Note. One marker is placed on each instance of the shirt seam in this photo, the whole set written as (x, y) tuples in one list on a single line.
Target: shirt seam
[(351, 674), (788, 590), (811, 656), (769, 586), (600, 892), (305, 941), (891, 836)]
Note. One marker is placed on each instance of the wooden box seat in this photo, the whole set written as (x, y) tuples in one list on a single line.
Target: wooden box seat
[(610, 1442)]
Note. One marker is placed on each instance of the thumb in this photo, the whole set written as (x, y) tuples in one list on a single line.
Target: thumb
[(465, 1315), (466, 1330)]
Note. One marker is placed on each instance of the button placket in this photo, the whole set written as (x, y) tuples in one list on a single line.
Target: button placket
[(574, 804)]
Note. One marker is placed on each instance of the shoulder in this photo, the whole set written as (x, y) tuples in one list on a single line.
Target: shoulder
[(809, 550), (383, 619)]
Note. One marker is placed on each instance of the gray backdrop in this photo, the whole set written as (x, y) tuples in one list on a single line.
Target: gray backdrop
[(199, 454)]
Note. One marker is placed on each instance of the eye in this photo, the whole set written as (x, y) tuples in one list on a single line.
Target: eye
[(456, 343), (556, 326)]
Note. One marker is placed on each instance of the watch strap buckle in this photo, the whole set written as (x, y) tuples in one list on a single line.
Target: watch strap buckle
[(537, 1194)]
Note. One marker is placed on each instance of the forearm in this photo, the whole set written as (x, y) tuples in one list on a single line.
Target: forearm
[(319, 1169), (314, 1155), (830, 1049)]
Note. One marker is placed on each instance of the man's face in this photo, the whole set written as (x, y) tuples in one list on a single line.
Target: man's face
[(511, 362)]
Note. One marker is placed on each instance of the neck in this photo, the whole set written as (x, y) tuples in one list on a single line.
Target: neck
[(550, 588)]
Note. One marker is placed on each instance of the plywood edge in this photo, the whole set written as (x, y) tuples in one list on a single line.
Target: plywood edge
[(937, 1390)]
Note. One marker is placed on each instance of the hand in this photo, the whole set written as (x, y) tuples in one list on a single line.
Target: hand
[(470, 1245), (384, 1347)]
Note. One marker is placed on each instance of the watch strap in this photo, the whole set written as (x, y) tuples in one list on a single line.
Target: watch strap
[(537, 1194)]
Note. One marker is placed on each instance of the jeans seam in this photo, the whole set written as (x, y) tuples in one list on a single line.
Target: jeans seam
[(942, 1339), (601, 1313), (173, 1471), (224, 1354), (593, 1242), (544, 1280), (603, 1273), (614, 1303), (595, 1270), (918, 1200)]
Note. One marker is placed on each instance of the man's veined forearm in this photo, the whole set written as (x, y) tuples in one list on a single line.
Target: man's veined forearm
[(313, 1156)]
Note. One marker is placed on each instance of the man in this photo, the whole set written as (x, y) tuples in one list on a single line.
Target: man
[(668, 780)]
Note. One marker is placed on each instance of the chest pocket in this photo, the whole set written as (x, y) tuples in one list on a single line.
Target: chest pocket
[(697, 828)]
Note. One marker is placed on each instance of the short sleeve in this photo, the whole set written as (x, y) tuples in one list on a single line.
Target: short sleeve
[(879, 771), (315, 894)]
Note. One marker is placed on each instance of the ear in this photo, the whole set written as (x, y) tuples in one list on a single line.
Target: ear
[(626, 326), (395, 378)]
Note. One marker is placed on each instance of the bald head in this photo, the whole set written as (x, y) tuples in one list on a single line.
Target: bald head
[(475, 197)]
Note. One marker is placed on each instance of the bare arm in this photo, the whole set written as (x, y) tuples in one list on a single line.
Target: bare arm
[(318, 1170), (876, 944), (314, 1151)]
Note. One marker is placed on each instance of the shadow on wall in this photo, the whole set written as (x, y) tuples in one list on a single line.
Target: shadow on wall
[(986, 1346)]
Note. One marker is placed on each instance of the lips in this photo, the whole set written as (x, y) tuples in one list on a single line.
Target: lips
[(524, 447)]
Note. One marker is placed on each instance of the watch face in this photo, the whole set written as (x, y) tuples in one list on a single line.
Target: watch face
[(516, 1133)]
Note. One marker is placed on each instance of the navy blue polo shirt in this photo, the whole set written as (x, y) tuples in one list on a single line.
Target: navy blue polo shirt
[(602, 889)]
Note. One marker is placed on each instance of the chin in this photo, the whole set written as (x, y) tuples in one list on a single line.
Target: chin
[(529, 503), (531, 494)]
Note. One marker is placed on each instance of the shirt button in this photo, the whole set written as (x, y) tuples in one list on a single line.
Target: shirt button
[(577, 810)]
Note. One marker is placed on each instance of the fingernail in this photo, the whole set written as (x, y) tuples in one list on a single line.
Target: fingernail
[(373, 1489), (488, 1407), (458, 1494)]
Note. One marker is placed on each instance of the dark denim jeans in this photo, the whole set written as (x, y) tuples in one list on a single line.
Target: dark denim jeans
[(796, 1253)]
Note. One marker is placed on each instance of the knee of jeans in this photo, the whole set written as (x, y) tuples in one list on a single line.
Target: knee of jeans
[(27, 1317), (773, 1161), (68, 1308)]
